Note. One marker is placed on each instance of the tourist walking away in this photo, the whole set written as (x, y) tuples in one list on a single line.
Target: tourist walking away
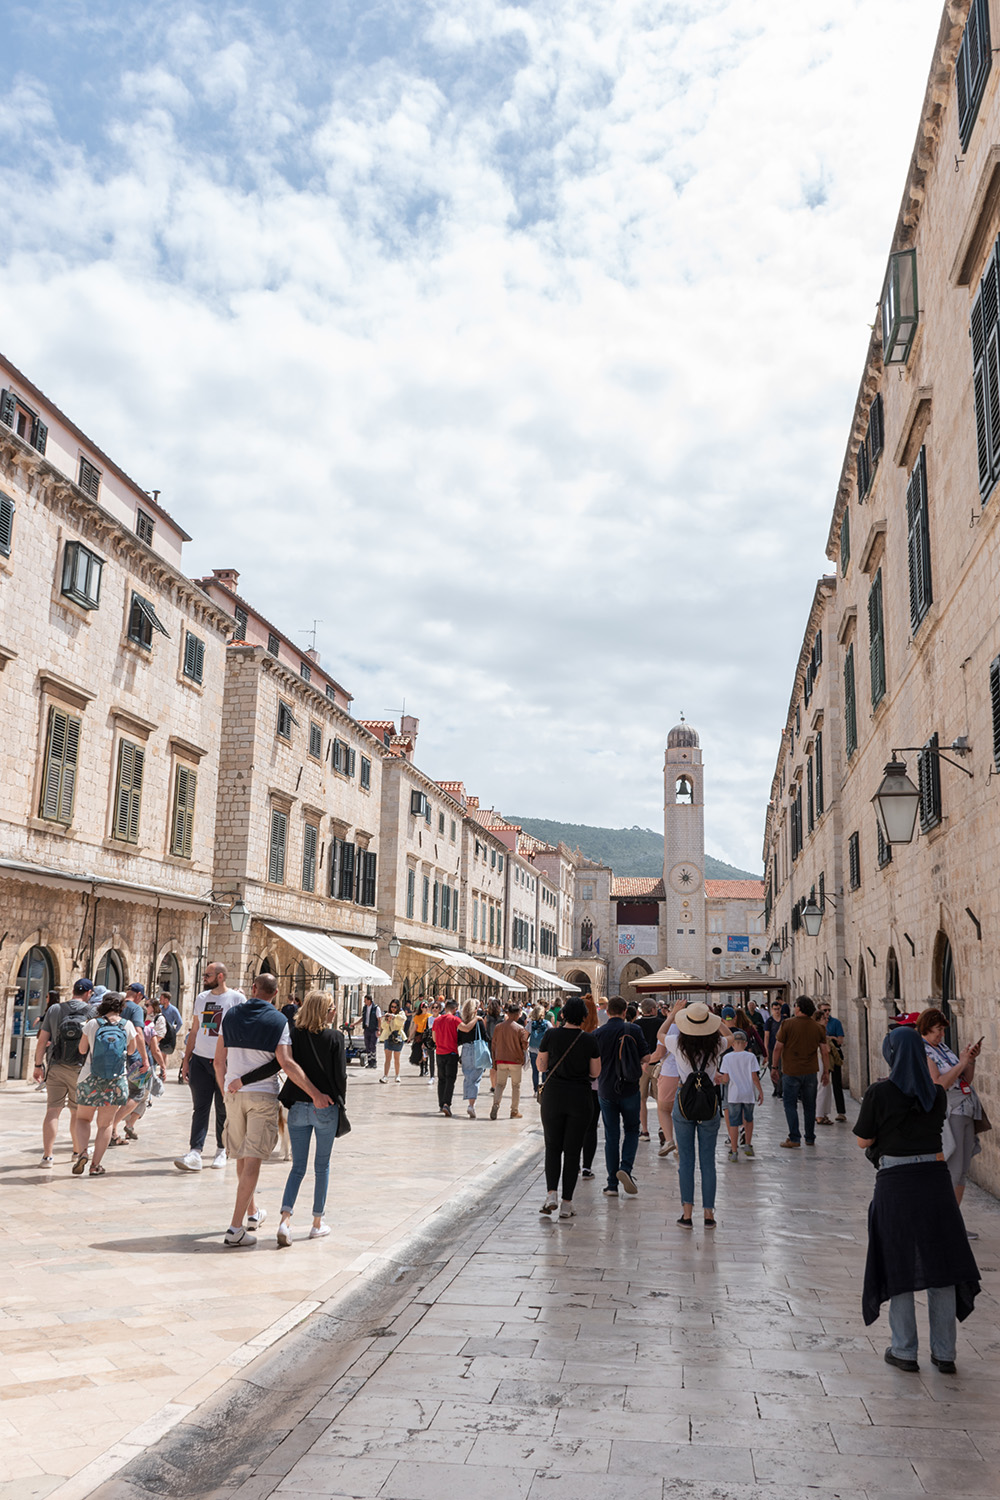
[(536, 1035), (59, 1039), (320, 1050), (648, 1022), (392, 1035), (474, 1054), (666, 1083), (741, 1071), (966, 1119), (622, 1048), (835, 1041), (570, 1061), (419, 1031), (371, 1021), (107, 1043), (198, 1067), (590, 1025), (916, 1237), (693, 1056), (253, 1043), (446, 1048), (509, 1047), (771, 1028), (795, 1061)]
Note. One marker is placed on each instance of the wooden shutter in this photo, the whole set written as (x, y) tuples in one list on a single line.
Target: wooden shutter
[(818, 759), (995, 703), (371, 870), (315, 740), (854, 861), (876, 640), (347, 852), (454, 911), (810, 795), (128, 792), (182, 835), (336, 847), (279, 842), (351, 762), (6, 525), (366, 773), (194, 657), (411, 893), (845, 542), (445, 906), (39, 434), (864, 468), (918, 542), (972, 68), (850, 704), (425, 899), (310, 838), (978, 336), (59, 770), (929, 783), (876, 431), (437, 897), (8, 408)]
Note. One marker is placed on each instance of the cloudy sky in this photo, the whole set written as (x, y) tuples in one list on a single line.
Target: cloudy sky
[(515, 343)]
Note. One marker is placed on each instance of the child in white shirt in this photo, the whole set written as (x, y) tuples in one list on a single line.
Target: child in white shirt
[(739, 1069)]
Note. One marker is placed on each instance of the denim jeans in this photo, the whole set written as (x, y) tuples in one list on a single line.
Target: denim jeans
[(903, 1323), (471, 1074), (688, 1133), (796, 1086), (621, 1119), (533, 1059), (304, 1119)]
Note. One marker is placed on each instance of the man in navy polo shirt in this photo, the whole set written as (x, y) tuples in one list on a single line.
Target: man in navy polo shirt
[(619, 1101)]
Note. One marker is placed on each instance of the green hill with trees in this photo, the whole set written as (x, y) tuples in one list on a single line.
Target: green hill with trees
[(629, 851)]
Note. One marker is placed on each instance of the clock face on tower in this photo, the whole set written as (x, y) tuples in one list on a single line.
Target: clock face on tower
[(685, 877)]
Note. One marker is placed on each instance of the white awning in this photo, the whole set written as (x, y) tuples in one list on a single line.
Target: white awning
[(456, 960), (330, 955), (550, 979)]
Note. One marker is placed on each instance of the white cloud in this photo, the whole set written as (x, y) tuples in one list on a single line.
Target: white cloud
[(516, 343)]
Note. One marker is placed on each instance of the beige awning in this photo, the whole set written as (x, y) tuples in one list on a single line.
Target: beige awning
[(322, 949), (456, 960), (552, 980)]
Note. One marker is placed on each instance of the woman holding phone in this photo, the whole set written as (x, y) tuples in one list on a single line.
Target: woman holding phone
[(955, 1075)]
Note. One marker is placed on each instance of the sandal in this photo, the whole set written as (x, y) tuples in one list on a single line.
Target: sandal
[(116, 1140), (132, 1134), (688, 1223), (98, 1171)]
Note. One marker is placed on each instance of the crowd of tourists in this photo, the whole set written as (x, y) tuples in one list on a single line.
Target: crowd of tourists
[(255, 1070)]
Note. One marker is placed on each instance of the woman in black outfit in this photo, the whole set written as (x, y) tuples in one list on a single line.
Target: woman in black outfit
[(569, 1059), (916, 1235), (321, 1052)]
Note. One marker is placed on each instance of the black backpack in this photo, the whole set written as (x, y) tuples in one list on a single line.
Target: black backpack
[(66, 1044), (698, 1098), (168, 1041), (628, 1064)]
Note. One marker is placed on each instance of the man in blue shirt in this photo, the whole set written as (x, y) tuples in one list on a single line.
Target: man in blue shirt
[(835, 1030), (618, 1096)]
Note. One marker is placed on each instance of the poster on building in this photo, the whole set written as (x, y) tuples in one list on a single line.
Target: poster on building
[(738, 945), (637, 942)]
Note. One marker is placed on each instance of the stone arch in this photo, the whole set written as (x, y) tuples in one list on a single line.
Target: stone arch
[(34, 977), (684, 790), (581, 980), (862, 977), (636, 968), (111, 968), (893, 983)]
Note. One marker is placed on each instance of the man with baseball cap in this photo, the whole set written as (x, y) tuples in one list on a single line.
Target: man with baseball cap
[(61, 1029)]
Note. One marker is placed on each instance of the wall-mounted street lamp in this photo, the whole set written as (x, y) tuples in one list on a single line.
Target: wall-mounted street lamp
[(239, 916), (394, 946), (897, 800), (812, 913)]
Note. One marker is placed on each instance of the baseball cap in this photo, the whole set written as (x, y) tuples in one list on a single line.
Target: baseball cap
[(83, 986), (140, 989)]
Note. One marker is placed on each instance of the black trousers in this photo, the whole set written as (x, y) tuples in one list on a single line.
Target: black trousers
[(447, 1072), (837, 1079), (567, 1115), (205, 1089), (590, 1135)]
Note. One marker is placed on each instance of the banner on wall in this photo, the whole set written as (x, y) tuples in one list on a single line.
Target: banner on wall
[(638, 942), (738, 945)]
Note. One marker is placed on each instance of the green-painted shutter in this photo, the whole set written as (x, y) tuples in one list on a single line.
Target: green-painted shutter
[(918, 542), (6, 525), (279, 842), (876, 640), (128, 792), (310, 838), (182, 830), (850, 704), (59, 772)]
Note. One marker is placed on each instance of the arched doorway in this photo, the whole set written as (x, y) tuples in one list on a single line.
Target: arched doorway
[(34, 980), (581, 980), (893, 989), (111, 971), (945, 980), (636, 968), (168, 978)]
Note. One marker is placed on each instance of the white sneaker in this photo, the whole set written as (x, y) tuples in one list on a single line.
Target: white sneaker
[(254, 1221), (666, 1149), (47, 1161), (239, 1239), (398, 1079), (221, 1158), (383, 1079), (566, 1210), (284, 1235), (550, 1205), (319, 1231), (189, 1163)]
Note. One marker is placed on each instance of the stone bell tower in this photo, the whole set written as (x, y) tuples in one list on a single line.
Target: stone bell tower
[(684, 852)]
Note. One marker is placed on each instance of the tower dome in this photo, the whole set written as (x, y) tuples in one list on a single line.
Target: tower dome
[(682, 737)]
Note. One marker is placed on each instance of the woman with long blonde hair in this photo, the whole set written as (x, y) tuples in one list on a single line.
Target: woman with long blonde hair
[(321, 1052), (473, 1052)]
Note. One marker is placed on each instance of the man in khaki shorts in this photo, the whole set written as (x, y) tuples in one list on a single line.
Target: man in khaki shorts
[(253, 1044), (60, 1031)]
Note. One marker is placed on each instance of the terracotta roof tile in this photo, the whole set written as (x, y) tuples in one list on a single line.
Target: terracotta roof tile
[(623, 886), (735, 890)]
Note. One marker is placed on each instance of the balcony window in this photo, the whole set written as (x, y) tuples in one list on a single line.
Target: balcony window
[(82, 571), (900, 313), (26, 423)]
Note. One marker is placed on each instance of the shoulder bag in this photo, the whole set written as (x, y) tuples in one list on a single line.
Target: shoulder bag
[(552, 1071)]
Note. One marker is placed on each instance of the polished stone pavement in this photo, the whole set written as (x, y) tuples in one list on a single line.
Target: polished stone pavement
[(613, 1355)]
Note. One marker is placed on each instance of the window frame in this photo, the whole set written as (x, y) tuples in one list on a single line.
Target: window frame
[(143, 622), (63, 787), (285, 716), (7, 512), (126, 807), (918, 543), (310, 860), (876, 640), (89, 477), (277, 846), (73, 552), (183, 810), (193, 661)]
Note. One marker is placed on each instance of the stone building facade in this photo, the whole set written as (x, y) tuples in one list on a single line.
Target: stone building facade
[(915, 540), (111, 671)]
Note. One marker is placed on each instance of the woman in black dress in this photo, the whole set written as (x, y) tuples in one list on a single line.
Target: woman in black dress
[(568, 1058), (916, 1236)]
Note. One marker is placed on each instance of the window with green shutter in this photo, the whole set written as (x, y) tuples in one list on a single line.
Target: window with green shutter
[(425, 899), (128, 792), (854, 861), (845, 543), (884, 847), (437, 901), (62, 749), (89, 478), (347, 867), (310, 839), (876, 640), (818, 759), (929, 784), (142, 621), (182, 822), (369, 878), (984, 327), (850, 703), (194, 657), (6, 525), (366, 773), (995, 706), (411, 892), (279, 844), (972, 68), (918, 544), (315, 741)]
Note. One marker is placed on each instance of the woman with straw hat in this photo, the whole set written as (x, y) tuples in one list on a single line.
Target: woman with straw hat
[(693, 1057)]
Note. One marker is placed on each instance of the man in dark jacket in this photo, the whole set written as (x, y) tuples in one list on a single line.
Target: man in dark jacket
[(623, 1048)]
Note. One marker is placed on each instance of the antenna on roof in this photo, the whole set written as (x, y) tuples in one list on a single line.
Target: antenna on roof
[(312, 632)]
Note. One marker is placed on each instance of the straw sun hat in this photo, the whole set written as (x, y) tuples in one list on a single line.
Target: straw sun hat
[(697, 1020)]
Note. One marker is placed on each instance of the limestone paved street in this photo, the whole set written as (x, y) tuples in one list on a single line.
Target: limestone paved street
[(612, 1355), (118, 1300)]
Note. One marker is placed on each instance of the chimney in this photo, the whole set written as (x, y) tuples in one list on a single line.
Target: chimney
[(313, 655), (228, 577), (410, 726), (472, 801)]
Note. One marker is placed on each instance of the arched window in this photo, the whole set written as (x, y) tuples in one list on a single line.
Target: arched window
[(168, 979), (586, 935), (34, 980), (683, 790), (111, 971), (266, 966), (301, 981), (945, 979), (892, 985), (862, 980)]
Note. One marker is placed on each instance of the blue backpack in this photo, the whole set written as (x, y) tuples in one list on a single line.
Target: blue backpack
[(538, 1030), (109, 1049)]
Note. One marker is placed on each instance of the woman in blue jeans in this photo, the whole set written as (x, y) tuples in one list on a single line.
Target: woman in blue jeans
[(698, 1047), (321, 1052)]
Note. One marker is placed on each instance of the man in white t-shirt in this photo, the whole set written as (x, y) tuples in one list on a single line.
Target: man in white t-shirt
[(198, 1067), (741, 1072)]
